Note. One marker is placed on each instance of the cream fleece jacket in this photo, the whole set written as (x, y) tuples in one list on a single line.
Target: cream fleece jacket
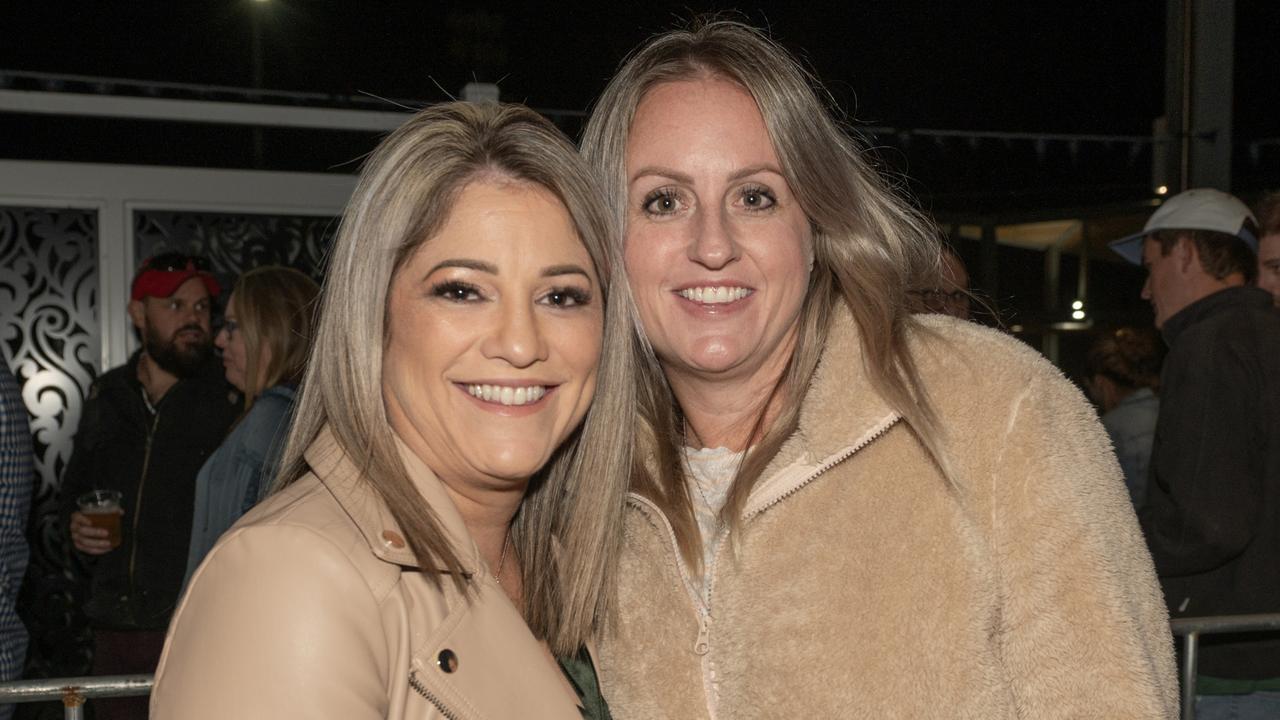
[(865, 586)]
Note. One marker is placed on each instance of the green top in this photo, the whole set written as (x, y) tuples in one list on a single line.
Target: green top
[(582, 675)]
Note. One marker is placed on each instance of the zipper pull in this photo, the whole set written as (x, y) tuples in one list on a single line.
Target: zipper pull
[(703, 644)]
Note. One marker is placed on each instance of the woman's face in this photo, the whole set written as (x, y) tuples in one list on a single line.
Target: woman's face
[(231, 342), (494, 336), (718, 251)]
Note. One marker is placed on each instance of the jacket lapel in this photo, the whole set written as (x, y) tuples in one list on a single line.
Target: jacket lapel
[(346, 482)]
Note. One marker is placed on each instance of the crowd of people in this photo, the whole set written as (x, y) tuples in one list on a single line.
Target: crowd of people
[(688, 422)]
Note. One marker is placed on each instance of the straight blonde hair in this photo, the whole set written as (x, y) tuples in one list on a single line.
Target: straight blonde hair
[(275, 307), (868, 245), (566, 530)]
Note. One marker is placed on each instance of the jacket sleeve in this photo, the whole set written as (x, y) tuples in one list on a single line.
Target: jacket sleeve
[(78, 477), (1204, 502), (277, 623), (1083, 630)]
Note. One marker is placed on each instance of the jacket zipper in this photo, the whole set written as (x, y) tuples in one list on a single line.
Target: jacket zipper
[(701, 604), (137, 505), (873, 435), (702, 645), (422, 690)]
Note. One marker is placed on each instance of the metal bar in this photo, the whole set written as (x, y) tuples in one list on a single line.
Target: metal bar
[(1213, 624), (200, 111), (1190, 647), (20, 691)]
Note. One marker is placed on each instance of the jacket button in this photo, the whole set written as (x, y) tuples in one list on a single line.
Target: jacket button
[(447, 660), (392, 539)]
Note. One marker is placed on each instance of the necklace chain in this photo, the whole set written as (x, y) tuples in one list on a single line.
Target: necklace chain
[(502, 558)]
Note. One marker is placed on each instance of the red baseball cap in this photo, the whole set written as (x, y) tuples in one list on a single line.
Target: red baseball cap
[(162, 275)]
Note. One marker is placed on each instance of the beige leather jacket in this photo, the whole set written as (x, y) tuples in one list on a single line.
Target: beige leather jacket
[(313, 607), (865, 585)]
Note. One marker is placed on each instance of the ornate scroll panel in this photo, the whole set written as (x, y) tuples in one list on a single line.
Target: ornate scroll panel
[(235, 242), (49, 335)]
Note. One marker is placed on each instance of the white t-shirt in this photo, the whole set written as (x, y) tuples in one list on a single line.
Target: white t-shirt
[(710, 474)]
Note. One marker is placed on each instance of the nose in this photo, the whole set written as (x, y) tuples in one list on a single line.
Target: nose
[(220, 339), (516, 337), (1146, 288), (713, 245)]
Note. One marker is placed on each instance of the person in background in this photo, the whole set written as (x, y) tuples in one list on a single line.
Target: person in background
[(146, 429), (17, 475), (264, 339), (845, 509), (444, 531), (1212, 513), (945, 290), (1268, 215), (1122, 375)]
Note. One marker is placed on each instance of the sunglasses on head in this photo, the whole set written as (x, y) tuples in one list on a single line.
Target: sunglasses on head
[(174, 261)]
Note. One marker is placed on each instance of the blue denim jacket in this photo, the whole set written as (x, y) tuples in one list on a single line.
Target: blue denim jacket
[(240, 471), (1132, 427)]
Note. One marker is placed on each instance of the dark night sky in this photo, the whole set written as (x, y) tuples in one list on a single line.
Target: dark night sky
[(1088, 66)]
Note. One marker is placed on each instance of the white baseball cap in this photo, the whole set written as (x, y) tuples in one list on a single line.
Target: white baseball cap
[(1198, 209)]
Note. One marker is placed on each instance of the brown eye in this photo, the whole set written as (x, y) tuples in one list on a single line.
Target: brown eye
[(663, 201), (757, 198)]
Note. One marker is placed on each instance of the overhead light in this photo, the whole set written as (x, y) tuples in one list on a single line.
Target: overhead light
[(1077, 305), (1015, 328), (1077, 315), (1162, 190)]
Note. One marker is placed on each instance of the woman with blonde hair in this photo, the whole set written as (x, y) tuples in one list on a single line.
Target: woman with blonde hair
[(445, 525), (846, 511), (264, 340)]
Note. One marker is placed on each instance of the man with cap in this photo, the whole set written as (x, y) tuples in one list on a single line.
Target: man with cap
[(1212, 516), (146, 429)]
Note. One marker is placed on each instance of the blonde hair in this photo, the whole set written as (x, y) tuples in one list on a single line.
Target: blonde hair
[(275, 308), (868, 246), (566, 530)]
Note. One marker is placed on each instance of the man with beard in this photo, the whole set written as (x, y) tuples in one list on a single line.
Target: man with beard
[(146, 429)]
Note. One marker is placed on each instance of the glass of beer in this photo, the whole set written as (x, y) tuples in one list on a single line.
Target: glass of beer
[(102, 508)]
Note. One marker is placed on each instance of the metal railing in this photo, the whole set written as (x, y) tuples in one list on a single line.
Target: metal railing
[(74, 691), (1190, 630)]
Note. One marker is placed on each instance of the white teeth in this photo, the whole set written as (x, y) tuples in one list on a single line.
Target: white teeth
[(507, 395), (714, 295)]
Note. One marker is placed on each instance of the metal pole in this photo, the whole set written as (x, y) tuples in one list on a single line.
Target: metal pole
[(73, 705), (1184, 132), (1190, 647), (255, 51)]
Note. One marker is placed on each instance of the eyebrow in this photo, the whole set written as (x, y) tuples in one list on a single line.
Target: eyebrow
[(490, 268), (465, 264), (555, 270), (680, 177)]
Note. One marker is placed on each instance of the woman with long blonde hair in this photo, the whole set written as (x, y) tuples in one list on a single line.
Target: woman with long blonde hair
[(265, 337), (445, 526), (845, 511)]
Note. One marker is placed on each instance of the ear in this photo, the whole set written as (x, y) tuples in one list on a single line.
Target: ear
[(1187, 256), (138, 314)]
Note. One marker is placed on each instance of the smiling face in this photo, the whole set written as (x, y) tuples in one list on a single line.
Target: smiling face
[(718, 250), (494, 334)]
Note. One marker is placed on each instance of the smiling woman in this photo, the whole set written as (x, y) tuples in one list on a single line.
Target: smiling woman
[(845, 510), (445, 527)]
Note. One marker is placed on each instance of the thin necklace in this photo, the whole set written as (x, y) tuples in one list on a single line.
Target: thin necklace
[(502, 558)]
